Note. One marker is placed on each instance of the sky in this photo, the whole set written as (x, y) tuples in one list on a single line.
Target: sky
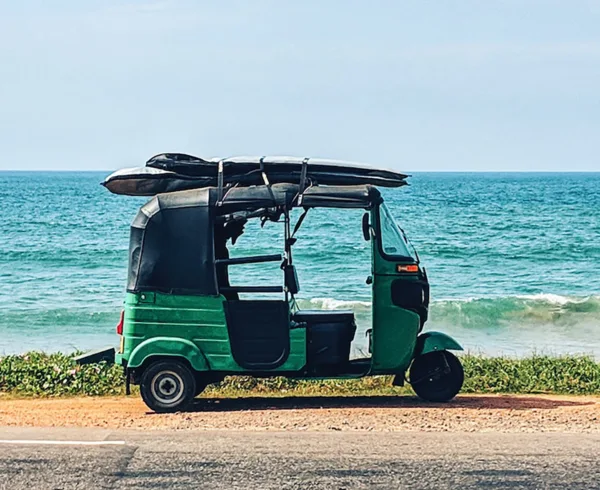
[(415, 86)]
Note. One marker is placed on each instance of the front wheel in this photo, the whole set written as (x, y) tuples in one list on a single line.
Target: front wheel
[(167, 386), (437, 376)]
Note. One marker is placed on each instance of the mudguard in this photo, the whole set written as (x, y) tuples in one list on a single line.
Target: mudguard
[(435, 341), (168, 347)]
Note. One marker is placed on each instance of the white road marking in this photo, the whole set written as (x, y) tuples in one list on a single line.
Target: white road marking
[(62, 443)]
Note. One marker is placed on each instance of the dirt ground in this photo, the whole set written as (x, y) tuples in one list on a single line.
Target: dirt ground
[(467, 413)]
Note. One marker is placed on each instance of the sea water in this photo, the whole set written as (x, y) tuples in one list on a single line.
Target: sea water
[(513, 259)]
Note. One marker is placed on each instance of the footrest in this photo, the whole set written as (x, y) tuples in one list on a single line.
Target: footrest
[(95, 356)]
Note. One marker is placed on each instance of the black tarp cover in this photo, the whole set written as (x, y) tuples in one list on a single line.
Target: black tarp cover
[(171, 244), (170, 172)]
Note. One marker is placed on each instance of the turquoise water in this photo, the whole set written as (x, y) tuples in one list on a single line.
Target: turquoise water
[(514, 259)]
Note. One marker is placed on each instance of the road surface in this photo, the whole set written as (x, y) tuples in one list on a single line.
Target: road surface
[(87, 458)]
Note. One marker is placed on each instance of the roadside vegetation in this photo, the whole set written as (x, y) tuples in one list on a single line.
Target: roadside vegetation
[(50, 375)]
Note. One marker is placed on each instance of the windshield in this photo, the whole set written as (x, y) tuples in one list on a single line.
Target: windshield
[(393, 239)]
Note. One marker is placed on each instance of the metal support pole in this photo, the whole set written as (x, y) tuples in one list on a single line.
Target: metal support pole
[(288, 247), (127, 382)]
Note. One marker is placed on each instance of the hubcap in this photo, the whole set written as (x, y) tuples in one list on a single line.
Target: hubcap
[(167, 387)]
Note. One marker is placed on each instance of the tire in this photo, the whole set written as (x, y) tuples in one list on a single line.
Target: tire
[(167, 386), (437, 376)]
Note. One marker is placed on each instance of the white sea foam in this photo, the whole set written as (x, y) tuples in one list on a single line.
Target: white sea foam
[(334, 304), (555, 299), (550, 298)]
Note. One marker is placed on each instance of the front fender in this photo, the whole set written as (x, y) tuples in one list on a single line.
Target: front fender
[(168, 347), (435, 341)]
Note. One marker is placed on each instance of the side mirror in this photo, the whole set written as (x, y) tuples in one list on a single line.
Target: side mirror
[(366, 227)]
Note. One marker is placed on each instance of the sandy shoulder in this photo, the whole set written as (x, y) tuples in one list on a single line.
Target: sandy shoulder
[(468, 413)]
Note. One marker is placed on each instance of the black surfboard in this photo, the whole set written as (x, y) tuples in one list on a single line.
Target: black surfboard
[(169, 172)]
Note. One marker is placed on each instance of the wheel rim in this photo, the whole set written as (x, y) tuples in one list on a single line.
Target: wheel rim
[(167, 387)]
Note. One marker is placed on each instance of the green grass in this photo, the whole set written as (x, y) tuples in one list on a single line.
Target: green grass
[(38, 374)]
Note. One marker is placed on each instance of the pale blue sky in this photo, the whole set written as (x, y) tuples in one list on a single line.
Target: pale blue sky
[(418, 86)]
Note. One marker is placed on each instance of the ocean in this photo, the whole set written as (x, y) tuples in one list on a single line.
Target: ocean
[(513, 259)]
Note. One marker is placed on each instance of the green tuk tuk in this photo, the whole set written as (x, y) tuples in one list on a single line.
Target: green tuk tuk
[(185, 326)]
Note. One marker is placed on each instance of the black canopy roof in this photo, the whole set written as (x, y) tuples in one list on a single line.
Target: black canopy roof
[(259, 197), (289, 195)]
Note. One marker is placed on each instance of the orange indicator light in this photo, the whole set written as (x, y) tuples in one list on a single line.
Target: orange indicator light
[(407, 268)]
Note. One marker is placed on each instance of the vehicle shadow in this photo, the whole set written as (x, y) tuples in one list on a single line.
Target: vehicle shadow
[(507, 402)]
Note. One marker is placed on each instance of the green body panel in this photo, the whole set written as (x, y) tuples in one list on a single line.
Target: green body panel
[(395, 329), (435, 341), (168, 346), (191, 321), (297, 358)]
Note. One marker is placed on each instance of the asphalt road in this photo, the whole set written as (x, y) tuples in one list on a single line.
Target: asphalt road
[(285, 460)]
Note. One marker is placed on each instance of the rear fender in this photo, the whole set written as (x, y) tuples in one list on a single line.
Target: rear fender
[(168, 347), (435, 341)]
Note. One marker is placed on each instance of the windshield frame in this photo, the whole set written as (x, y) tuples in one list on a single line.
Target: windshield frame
[(412, 256)]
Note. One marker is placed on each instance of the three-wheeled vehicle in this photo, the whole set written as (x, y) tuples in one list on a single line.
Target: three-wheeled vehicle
[(184, 326)]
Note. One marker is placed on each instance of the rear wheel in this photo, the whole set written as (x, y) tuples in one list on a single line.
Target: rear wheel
[(437, 376), (167, 386)]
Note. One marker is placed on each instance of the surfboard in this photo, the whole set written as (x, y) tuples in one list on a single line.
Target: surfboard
[(169, 172)]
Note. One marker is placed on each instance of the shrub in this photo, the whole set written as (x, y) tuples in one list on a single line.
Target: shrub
[(41, 374)]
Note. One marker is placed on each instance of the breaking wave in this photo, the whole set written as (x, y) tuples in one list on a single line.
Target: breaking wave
[(491, 312), (470, 312), (333, 304), (538, 309), (511, 324)]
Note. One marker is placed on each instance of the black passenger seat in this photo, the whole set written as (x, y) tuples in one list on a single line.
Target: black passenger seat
[(329, 335)]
